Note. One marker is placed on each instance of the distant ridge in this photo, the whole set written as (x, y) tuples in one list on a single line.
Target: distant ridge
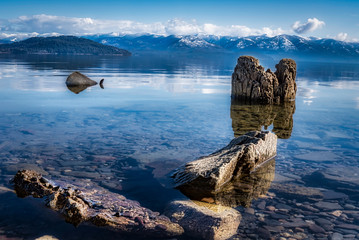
[(209, 43), (62, 45)]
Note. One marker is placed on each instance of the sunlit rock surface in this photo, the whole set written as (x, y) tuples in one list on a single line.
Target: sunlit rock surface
[(240, 191), (250, 117), (204, 220), (78, 79), (251, 82), (286, 73), (241, 156), (89, 203)]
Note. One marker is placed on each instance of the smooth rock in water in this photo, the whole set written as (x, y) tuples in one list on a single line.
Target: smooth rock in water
[(78, 79), (328, 205), (318, 156), (323, 221), (348, 226), (330, 195), (204, 220), (263, 233), (47, 237), (343, 179), (316, 229), (296, 191), (336, 236), (251, 82), (95, 205), (241, 156)]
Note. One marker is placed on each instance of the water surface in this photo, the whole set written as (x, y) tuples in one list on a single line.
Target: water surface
[(158, 112)]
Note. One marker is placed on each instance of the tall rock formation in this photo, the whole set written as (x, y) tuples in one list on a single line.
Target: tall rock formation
[(252, 83)]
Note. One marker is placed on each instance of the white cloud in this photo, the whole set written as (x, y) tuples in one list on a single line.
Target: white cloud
[(243, 31), (311, 25), (66, 25), (341, 36), (179, 27), (47, 24)]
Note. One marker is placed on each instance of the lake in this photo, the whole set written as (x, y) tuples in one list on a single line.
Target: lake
[(157, 112)]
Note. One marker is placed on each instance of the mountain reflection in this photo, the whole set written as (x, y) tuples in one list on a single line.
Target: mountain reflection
[(248, 117), (240, 191)]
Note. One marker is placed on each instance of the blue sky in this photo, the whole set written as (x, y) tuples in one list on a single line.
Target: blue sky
[(335, 19)]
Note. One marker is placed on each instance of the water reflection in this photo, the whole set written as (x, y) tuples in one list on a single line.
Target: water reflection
[(248, 117), (167, 63), (240, 191), (47, 73), (77, 89)]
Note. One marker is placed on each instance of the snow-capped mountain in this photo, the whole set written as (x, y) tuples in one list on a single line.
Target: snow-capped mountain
[(288, 44), (277, 44)]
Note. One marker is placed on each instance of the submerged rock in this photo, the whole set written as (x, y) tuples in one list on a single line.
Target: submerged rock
[(249, 117), (341, 178), (95, 205), (204, 220), (241, 156), (296, 191), (77, 78), (251, 82)]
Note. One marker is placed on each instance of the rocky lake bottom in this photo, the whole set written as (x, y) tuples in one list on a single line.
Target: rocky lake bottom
[(153, 116)]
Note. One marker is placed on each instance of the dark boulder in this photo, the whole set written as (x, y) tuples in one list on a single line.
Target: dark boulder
[(78, 79)]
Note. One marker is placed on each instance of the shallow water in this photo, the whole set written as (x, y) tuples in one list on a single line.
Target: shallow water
[(158, 112)]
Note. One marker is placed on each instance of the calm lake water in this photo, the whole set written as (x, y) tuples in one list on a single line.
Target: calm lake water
[(158, 112)]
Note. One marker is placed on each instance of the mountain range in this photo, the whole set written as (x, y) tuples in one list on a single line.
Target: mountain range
[(209, 43), (287, 44)]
